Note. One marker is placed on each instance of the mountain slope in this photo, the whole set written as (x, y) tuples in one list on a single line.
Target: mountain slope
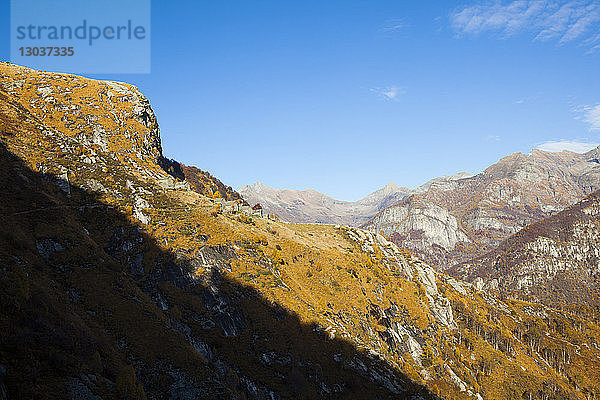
[(454, 221), (119, 281), (556, 260)]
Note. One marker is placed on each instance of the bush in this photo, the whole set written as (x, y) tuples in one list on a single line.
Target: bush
[(127, 386), (14, 288)]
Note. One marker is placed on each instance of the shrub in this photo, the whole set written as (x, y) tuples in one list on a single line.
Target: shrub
[(127, 386)]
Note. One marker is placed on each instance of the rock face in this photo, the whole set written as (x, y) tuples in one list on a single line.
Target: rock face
[(424, 225), (556, 260), (453, 220), (310, 206)]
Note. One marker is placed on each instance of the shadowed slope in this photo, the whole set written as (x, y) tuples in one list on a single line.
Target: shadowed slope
[(78, 306)]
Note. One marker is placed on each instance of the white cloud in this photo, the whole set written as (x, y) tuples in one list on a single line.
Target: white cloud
[(589, 114), (592, 116), (570, 145), (593, 43), (564, 21), (389, 93), (494, 138), (394, 25)]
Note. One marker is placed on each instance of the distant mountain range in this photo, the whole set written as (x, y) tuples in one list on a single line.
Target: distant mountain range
[(452, 219), (314, 207), (310, 206)]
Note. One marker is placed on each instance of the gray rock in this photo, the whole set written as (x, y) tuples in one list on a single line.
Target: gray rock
[(413, 270), (272, 358), (184, 387), (62, 181), (435, 225), (141, 204), (47, 247), (136, 264), (224, 312), (202, 348), (96, 186), (383, 377), (3, 393), (78, 389)]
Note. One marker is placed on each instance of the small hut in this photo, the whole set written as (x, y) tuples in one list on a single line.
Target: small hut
[(257, 210)]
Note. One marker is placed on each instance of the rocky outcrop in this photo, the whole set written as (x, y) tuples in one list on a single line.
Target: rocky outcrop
[(403, 339), (141, 111), (411, 268), (81, 388), (421, 225)]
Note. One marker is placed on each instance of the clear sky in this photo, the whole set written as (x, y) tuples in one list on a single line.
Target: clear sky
[(345, 96)]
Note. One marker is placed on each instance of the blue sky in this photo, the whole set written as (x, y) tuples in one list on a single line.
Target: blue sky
[(345, 96)]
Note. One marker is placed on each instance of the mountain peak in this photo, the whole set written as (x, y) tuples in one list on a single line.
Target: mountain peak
[(391, 187), (594, 153), (462, 175), (256, 187)]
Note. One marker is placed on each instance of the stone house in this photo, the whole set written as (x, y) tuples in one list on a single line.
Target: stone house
[(257, 210), (231, 206)]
